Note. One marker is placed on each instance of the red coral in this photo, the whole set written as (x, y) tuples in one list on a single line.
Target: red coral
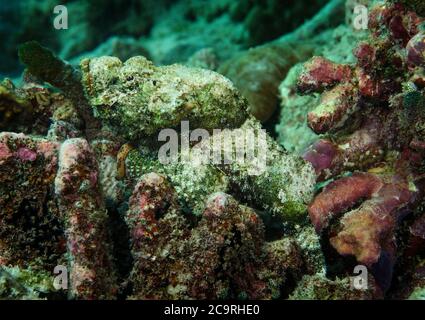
[(377, 125), (320, 74), (370, 229), (335, 107), (340, 196)]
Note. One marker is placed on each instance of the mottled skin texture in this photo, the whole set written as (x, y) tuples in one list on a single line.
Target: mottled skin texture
[(280, 183), (138, 98)]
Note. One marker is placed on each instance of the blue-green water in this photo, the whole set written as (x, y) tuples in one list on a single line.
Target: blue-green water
[(166, 30)]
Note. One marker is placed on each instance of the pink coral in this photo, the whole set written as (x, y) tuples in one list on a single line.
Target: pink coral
[(76, 185), (320, 74), (368, 230), (26, 154), (36, 228), (4, 152)]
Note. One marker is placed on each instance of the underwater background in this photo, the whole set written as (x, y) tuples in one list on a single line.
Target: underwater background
[(166, 31), (90, 89)]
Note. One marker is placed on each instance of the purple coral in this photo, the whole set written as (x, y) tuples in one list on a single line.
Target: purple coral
[(416, 50)]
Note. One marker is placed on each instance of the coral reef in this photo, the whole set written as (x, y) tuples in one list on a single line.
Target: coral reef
[(83, 175), (146, 179), (17, 283), (31, 232), (31, 108), (224, 256), (44, 65), (370, 113), (294, 133), (29, 194)]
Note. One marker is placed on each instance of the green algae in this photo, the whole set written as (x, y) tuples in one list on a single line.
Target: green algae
[(21, 283)]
